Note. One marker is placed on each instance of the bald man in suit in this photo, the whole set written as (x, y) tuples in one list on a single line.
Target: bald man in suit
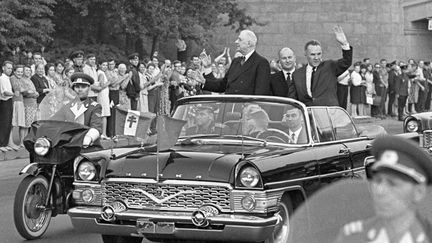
[(248, 74), (281, 81), (315, 84)]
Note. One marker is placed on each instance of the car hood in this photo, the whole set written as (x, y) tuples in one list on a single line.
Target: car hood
[(204, 162)]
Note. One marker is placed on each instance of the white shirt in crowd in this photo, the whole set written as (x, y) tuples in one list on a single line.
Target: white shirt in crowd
[(309, 69), (356, 78), (5, 86), (92, 72)]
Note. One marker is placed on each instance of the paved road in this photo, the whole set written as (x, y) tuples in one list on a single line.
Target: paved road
[(60, 229)]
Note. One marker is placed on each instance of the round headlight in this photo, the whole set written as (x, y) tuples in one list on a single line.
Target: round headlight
[(42, 146), (87, 195), (249, 177), (86, 171), (412, 126), (248, 202)]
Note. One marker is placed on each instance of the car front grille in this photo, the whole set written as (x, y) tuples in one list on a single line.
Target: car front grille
[(162, 196), (427, 138)]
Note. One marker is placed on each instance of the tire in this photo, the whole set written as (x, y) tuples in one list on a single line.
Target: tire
[(120, 239), (281, 231), (30, 222)]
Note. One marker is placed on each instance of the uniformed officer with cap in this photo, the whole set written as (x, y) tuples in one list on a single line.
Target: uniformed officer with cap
[(92, 116), (133, 88), (78, 59), (398, 183)]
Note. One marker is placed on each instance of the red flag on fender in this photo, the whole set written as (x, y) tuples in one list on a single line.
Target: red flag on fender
[(132, 123), (168, 130)]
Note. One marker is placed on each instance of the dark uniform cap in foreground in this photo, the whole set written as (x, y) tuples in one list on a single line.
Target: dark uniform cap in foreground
[(81, 78), (403, 157), (76, 54), (133, 56)]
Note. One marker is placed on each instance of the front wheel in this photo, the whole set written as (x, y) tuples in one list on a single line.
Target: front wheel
[(30, 216), (120, 239), (282, 229)]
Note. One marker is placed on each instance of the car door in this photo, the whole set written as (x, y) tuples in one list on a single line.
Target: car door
[(346, 132), (331, 155)]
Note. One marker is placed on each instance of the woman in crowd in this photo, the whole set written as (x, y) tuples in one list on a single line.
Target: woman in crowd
[(67, 77), (153, 90), (370, 87), (51, 75), (143, 97), (124, 78), (357, 92), (40, 82), (30, 94), (18, 117), (413, 87), (165, 104), (58, 75), (103, 95), (215, 71)]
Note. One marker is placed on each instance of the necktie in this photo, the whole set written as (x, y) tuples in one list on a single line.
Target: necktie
[(288, 78), (242, 60), (293, 137), (312, 78)]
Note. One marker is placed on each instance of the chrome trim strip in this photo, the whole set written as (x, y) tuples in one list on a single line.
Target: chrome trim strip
[(342, 172), (86, 184), (296, 187), (175, 182), (248, 142), (292, 180), (307, 178), (251, 220), (359, 169)]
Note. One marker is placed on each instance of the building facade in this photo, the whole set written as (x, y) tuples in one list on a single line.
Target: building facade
[(391, 29)]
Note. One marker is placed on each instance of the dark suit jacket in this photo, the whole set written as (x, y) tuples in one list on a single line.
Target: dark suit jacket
[(251, 78), (278, 84), (302, 137), (325, 81), (40, 84)]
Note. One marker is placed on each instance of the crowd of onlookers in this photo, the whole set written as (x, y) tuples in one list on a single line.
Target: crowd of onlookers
[(378, 89), (159, 84), (385, 89)]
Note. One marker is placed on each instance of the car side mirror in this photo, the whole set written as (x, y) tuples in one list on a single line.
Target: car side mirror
[(368, 162)]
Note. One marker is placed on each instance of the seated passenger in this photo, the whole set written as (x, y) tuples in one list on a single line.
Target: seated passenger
[(293, 120), (205, 122), (255, 120)]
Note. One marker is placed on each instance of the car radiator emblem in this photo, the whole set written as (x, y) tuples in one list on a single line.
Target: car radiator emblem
[(160, 193)]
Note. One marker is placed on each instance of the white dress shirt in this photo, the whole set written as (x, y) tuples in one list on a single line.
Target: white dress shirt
[(5, 86), (308, 79), (296, 134)]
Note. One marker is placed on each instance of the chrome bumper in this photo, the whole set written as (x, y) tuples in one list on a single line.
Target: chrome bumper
[(226, 227)]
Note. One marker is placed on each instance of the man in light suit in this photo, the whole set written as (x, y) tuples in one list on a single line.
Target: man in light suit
[(248, 74), (316, 83), (280, 81)]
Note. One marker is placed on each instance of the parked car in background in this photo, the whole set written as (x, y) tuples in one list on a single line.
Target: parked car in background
[(239, 180)]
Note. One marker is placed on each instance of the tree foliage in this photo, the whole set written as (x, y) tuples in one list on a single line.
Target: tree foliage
[(126, 24), (25, 23)]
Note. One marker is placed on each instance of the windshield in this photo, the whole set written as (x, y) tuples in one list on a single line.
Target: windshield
[(269, 121)]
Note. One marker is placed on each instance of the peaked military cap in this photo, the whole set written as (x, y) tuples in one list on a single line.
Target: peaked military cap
[(81, 78), (403, 157)]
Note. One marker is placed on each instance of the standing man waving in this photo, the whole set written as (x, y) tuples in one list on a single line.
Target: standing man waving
[(316, 83)]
